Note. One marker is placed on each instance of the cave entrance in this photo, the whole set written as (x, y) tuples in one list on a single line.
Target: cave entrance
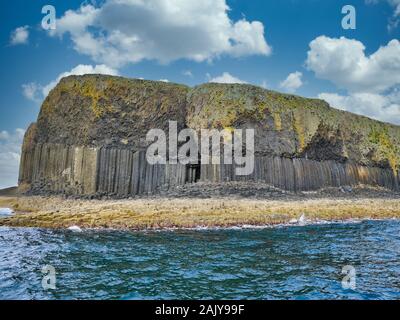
[(193, 173)]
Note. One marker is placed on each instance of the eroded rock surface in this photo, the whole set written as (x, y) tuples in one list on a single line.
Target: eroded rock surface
[(90, 138)]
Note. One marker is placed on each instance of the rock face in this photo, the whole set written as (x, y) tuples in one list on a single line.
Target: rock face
[(90, 138)]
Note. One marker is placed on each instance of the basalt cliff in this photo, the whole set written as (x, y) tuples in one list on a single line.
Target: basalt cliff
[(90, 139)]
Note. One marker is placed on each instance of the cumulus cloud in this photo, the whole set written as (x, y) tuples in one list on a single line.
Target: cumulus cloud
[(226, 77), (375, 106), (128, 31), (343, 62), (372, 82), (19, 36), (37, 92), (292, 82), (10, 151)]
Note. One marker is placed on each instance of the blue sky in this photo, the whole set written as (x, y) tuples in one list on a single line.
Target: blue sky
[(203, 42)]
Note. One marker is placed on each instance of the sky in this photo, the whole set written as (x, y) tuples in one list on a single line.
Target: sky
[(293, 46)]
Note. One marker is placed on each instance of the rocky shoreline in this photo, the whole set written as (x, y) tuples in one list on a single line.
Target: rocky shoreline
[(208, 205)]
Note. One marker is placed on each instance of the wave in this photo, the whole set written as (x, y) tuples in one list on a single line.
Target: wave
[(6, 212)]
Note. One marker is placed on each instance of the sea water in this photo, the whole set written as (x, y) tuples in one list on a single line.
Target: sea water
[(301, 262)]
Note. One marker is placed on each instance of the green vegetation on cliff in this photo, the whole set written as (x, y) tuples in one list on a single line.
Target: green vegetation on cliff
[(96, 110), (295, 125)]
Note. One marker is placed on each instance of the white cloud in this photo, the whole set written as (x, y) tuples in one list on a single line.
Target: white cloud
[(226, 77), (395, 19), (396, 5), (4, 135), (128, 31), (10, 151), (164, 80), (37, 92), (188, 73), (31, 91), (264, 84), (372, 82), (19, 36), (376, 106), (343, 62), (292, 82)]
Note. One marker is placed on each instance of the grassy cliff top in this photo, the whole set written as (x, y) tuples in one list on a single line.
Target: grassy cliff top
[(254, 99), (227, 96)]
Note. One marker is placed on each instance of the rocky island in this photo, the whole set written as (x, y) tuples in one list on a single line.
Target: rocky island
[(89, 143)]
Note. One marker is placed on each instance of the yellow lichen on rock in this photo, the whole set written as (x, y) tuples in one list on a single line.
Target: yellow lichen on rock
[(298, 126), (277, 121), (385, 148)]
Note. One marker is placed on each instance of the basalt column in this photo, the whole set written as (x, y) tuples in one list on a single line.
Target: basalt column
[(90, 139)]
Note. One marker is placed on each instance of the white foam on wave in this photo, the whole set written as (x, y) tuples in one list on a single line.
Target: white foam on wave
[(6, 212), (75, 229), (302, 222), (303, 219), (292, 223)]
